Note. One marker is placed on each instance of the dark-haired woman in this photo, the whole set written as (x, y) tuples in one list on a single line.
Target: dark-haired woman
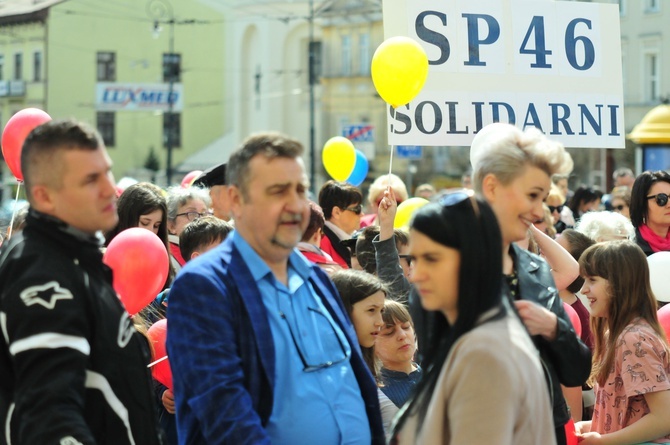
[(650, 211), (141, 205), (483, 380), (584, 200)]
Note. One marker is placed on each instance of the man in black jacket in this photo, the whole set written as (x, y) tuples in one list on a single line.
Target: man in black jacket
[(72, 366)]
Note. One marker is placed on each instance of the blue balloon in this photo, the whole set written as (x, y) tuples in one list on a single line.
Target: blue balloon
[(360, 171)]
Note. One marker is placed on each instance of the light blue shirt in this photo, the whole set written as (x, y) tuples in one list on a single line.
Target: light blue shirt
[(321, 407)]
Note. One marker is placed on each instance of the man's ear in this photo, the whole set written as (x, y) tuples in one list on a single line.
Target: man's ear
[(195, 255), (236, 199), (490, 187), (42, 199), (335, 213)]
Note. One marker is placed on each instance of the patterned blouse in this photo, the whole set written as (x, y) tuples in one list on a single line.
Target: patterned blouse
[(641, 365)]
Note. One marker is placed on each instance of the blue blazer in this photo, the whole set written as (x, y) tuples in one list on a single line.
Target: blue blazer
[(222, 353)]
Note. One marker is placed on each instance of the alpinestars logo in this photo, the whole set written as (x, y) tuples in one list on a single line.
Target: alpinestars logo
[(126, 331), (45, 295)]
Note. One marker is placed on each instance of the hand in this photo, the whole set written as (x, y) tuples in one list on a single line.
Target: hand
[(168, 401), (538, 320), (386, 214), (590, 439), (582, 427)]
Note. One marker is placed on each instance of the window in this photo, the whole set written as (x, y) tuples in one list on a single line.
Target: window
[(652, 5), (106, 121), (624, 74), (172, 127), (622, 8), (106, 66), (652, 78), (346, 55), (37, 66), (171, 67), (315, 49), (18, 66), (364, 53)]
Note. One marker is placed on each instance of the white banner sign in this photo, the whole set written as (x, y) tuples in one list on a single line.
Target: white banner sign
[(554, 65), (111, 96)]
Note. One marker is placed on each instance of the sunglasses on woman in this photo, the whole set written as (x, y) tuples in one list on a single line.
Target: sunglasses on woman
[(661, 199), (558, 209), (356, 210)]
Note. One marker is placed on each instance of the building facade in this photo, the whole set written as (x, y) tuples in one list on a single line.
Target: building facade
[(147, 74), (645, 51)]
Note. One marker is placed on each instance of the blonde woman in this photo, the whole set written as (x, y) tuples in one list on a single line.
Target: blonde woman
[(512, 171)]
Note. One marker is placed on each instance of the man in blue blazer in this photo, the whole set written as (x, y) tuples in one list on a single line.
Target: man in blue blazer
[(259, 344)]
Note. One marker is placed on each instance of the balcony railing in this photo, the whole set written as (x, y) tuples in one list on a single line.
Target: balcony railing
[(12, 88)]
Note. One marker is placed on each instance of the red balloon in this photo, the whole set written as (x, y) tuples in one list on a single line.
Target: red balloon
[(15, 133), (140, 264), (570, 434), (157, 335), (189, 178), (574, 318), (664, 319)]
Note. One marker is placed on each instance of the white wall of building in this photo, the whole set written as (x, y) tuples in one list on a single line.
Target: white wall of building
[(266, 77)]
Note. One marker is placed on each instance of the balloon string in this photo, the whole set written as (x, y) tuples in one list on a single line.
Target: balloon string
[(9, 231), (157, 361), (391, 164)]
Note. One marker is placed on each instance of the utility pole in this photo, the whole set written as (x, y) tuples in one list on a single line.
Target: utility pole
[(161, 11), (312, 108), (170, 116)]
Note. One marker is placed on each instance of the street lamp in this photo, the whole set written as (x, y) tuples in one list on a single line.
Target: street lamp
[(161, 11), (312, 107)]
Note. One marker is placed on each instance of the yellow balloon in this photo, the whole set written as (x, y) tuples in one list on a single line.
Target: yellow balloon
[(339, 157), (399, 70), (405, 211)]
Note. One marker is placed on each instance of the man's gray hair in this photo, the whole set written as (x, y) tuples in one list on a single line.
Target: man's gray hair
[(270, 145)]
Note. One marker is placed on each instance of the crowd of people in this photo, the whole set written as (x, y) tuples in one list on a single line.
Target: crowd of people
[(295, 321)]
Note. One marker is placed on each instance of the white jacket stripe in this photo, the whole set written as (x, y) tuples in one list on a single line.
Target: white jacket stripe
[(3, 326), (99, 382), (8, 421), (50, 340)]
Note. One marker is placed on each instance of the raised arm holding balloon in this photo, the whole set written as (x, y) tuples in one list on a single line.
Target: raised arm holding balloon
[(387, 256)]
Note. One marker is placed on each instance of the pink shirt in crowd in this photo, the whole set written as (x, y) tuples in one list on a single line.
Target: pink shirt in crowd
[(641, 365)]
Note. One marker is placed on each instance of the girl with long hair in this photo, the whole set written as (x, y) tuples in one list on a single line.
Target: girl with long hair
[(364, 296), (631, 360), (141, 205), (483, 381)]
